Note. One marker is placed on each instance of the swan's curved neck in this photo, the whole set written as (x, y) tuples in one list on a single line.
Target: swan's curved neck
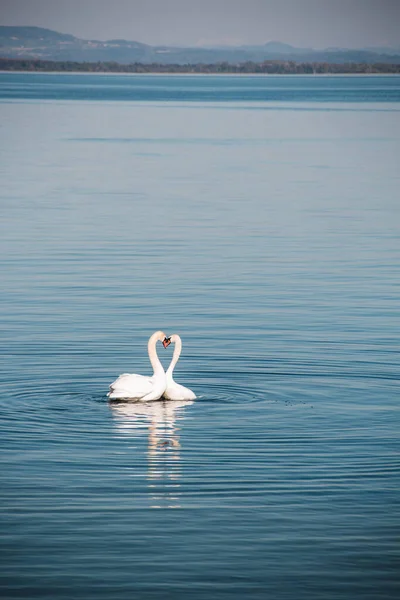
[(151, 348), (175, 356)]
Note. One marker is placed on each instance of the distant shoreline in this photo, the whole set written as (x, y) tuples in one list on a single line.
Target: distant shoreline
[(155, 74), (12, 65)]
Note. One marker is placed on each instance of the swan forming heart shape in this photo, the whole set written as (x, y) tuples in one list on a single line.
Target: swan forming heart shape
[(160, 384)]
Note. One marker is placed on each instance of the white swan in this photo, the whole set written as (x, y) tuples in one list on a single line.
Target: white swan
[(139, 387), (174, 391)]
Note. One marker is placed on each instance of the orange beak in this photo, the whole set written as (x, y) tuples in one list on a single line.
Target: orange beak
[(166, 342)]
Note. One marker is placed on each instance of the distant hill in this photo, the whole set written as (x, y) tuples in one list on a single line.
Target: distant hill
[(37, 35), (45, 44)]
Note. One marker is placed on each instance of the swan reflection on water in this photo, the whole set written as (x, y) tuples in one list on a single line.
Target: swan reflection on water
[(163, 444)]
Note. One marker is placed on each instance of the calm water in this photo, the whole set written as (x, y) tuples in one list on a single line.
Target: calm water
[(259, 218)]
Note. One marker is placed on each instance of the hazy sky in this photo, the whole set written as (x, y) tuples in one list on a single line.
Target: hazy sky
[(312, 23)]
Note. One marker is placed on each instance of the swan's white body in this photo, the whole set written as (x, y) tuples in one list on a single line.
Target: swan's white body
[(175, 391), (138, 387)]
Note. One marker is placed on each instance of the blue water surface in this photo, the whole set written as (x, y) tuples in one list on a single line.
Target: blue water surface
[(218, 88), (259, 218)]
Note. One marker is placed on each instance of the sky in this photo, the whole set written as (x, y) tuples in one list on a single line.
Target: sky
[(302, 23)]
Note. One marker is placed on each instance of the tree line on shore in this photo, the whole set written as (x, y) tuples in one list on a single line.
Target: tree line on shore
[(268, 67)]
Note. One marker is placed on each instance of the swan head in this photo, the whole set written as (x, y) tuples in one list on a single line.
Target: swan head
[(159, 336)]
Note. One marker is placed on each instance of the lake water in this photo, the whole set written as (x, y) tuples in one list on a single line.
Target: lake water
[(259, 218)]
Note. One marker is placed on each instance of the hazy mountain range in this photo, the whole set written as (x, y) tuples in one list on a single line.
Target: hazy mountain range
[(36, 42)]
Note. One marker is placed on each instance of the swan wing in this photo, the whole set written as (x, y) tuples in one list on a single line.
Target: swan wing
[(130, 385)]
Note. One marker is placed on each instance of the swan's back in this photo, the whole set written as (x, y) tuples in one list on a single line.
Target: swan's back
[(175, 391), (130, 385)]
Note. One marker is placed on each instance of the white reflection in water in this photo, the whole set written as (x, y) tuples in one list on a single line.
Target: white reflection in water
[(163, 444)]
